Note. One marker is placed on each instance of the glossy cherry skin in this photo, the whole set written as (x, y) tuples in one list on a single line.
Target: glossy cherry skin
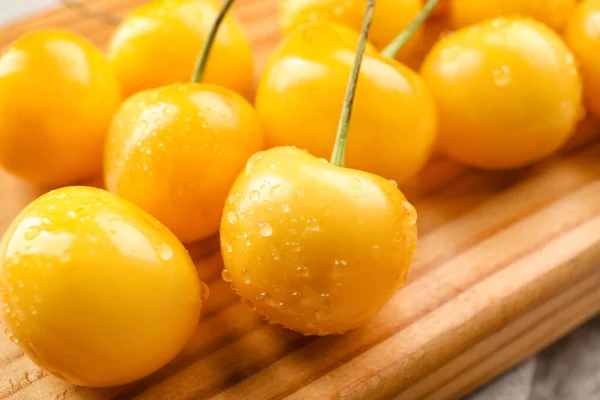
[(175, 151), (300, 96), (391, 17), (94, 290), (57, 97), (553, 13), (314, 247), (583, 37), (507, 90), (159, 42)]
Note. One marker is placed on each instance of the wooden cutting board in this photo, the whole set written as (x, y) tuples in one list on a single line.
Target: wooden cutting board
[(507, 263)]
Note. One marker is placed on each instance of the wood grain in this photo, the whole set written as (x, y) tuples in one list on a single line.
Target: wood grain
[(507, 263)]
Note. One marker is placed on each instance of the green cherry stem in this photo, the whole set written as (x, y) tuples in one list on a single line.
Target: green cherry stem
[(203, 58), (393, 48), (84, 9), (339, 149)]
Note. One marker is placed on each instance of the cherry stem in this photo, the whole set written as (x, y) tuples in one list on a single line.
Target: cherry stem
[(339, 149), (203, 58), (93, 12), (393, 48)]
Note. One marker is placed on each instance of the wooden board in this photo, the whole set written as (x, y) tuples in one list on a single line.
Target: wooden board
[(506, 264)]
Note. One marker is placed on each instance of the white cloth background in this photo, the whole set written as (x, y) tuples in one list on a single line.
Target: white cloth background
[(568, 370)]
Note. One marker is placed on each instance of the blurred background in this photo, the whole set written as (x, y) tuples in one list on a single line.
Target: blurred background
[(10, 9)]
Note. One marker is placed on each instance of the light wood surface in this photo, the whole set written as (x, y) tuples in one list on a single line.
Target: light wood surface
[(507, 263)]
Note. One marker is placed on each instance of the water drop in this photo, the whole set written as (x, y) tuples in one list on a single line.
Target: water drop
[(312, 225), (13, 339), (449, 54), (32, 232), (254, 196), (410, 212), (322, 315), (285, 208), (325, 298), (252, 161), (33, 310), (204, 291), (164, 251), (297, 295), (20, 284), (265, 229), (245, 276), (232, 217), (355, 183), (302, 270), (393, 183), (342, 263), (225, 275), (275, 190), (143, 124), (498, 23), (228, 247), (502, 75)]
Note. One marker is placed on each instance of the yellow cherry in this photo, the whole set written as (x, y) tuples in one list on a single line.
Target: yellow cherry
[(158, 43), (391, 17), (301, 92), (583, 37), (300, 238), (175, 151), (507, 92), (311, 245), (94, 290), (553, 13), (57, 97)]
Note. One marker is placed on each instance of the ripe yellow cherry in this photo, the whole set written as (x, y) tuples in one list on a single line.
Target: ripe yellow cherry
[(391, 17), (158, 43), (94, 290), (315, 247), (57, 97), (175, 151), (583, 37), (311, 245), (507, 92), (301, 93), (553, 13)]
